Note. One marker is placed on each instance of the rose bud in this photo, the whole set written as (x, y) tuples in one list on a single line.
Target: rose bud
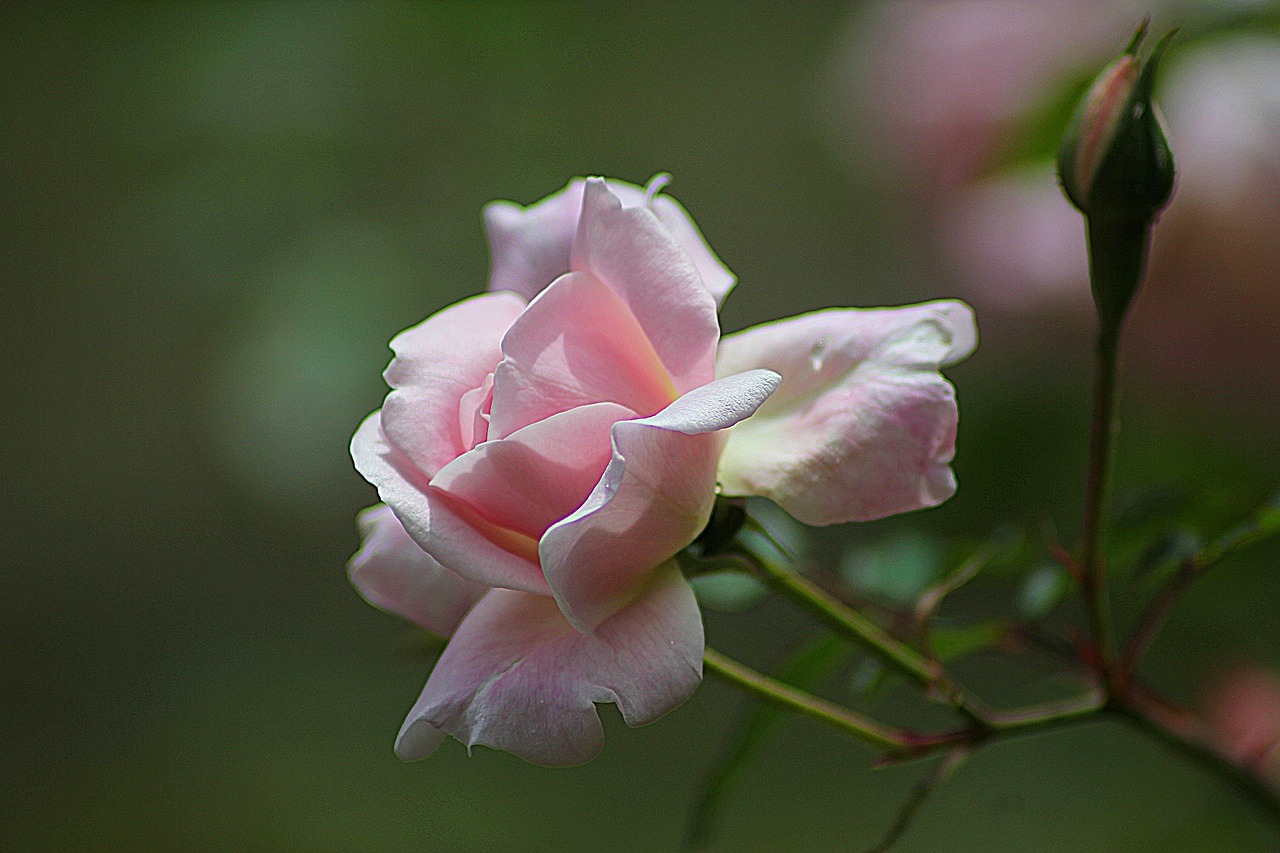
[(1115, 166), (1114, 160)]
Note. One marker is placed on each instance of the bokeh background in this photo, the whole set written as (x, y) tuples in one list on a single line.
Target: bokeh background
[(214, 217)]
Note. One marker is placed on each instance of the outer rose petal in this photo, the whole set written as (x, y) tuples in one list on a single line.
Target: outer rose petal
[(393, 573), (530, 246), (519, 678), (436, 363), (435, 522), (635, 254), (863, 426), (654, 499)]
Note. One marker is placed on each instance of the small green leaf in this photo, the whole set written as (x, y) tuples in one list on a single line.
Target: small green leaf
[(865, 674), (961, 641), (1165, 555), (870, 681), (1263, 524), (773, 534), (1007, 543), (728, 592), (895, 570), (1042, 590)]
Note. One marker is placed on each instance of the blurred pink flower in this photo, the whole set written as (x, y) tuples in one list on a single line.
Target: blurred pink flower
[(558, 440), (939, 94), (935, 90), (1242, 708)]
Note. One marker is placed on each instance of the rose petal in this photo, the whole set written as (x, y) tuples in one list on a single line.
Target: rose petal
[(716, 277), (576, 344), (530, 246), (436, 363), (517, 677), (653, 499), (537, 475), (393, 573), (862, 426), (635, 254), (457, 541)]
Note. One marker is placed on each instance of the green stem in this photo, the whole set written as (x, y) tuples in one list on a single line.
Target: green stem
[(1179, 730), (785, 696), (1256, 529), (844, 620), (1048, 715), (850, 623), (1093, 566), (1117, 259)]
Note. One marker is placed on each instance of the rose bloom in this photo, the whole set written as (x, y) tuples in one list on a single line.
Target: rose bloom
[(549, 446)]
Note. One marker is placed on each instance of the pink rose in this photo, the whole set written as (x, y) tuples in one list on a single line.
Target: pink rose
[(559, 452)]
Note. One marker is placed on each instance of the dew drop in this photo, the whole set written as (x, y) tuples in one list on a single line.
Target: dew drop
[(818, 354)]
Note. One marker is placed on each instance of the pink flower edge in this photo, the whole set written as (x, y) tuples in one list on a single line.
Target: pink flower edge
[(518, 677), (392, 573), (863, 425), (653, 499), (530, 246)]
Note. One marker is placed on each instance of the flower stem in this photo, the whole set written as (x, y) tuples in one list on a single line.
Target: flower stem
[(1093, 567), (854, 625), (1117, 260), (845, 620), (1050, 714), (1177, 729), (785, 696)]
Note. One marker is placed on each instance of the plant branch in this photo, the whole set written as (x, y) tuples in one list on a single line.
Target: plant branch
[(1153, 619), (1175, 727), (1187, 735), (785, 696), (919, 794), (1048, 714), (1262, 524), (903, 744), (854, 625)]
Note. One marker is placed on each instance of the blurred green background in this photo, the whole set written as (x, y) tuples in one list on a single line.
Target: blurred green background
[(214, 218)]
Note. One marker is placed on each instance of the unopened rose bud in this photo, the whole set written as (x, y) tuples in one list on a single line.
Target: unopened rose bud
[(1115, 161), (1115, 166)]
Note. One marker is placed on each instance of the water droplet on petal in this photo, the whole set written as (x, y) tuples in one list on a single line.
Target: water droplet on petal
[(818, 354)]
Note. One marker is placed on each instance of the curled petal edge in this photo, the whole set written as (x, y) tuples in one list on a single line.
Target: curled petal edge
[(653, 499), (517, 677)]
